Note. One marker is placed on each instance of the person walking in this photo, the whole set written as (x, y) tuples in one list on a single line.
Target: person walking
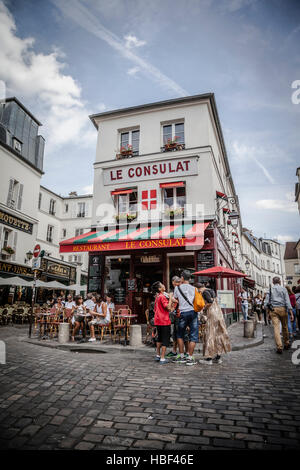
[(185, 295), (257, 306), (163, 305), (215, 339), (243, 296), (297, 296), (278, 304), (292, 324)]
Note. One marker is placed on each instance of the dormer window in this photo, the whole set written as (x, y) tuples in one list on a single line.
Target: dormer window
[(17, 145)]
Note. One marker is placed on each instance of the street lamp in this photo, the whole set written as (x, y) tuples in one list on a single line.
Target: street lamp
[(234, 219), (29, 256), (247, 265)]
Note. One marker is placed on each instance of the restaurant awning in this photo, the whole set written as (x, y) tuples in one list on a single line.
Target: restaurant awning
[(121, 191), (249, 283), (176, 184), (159, 236)]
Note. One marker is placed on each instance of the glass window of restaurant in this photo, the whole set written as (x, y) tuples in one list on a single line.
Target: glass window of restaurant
[(116, 275)]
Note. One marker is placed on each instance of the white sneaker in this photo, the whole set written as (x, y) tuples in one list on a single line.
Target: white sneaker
[(92, 339), (207, 362)]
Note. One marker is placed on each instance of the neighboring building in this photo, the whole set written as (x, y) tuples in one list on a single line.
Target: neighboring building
[(297, 188), (170, 157), (30, 213), (292, 263), (263, 259)]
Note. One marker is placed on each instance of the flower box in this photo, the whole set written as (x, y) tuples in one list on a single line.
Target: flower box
[(8, 250), (123, 217)]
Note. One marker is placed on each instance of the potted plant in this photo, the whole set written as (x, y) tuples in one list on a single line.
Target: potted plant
[(8, 250), (172, 144), (125, 152)]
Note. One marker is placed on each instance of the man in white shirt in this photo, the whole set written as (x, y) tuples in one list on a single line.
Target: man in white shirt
[(185, 295), (90, 302), (69, 303), (243, 296)]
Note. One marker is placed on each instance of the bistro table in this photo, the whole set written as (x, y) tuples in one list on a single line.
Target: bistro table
[(126, 317)]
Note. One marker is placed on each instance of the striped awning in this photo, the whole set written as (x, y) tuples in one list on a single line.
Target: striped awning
[(159, 236)]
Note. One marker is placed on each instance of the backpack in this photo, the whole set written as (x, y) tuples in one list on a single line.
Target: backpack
[(198, 303)]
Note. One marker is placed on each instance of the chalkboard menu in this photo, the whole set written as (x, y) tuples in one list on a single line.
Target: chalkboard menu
[(95, 273), (205, 260)]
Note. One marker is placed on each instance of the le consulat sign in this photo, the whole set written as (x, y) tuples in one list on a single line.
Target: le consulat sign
[(15, 222)]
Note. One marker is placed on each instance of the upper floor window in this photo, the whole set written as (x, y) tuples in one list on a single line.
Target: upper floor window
[(129, 143), (81, 211), (126, 204), (66, 208), (79, 231), (50, 230), (64, 232), (52, 207), (174, 199), (173, 136), (40, 200), (15, 194)]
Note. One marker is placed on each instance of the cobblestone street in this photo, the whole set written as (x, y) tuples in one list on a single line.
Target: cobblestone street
[(53, 399)]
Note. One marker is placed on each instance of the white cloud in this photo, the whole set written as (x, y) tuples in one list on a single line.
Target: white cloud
[(82, 16), (285, 205), (133, 71), (284, 238), (133, 41), (31, 75)]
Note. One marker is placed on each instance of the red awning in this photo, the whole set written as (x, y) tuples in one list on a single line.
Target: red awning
[(176, 184), (222, 195), (219, 271), (121, 191)]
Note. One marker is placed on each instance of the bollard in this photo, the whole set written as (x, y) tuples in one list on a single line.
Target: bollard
[(135, 335), (63, 333), (249, 328)]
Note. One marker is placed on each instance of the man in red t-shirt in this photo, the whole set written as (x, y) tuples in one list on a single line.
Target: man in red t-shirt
[(163, 305)]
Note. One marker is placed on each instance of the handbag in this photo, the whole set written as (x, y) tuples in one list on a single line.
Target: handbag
[(198, 304)]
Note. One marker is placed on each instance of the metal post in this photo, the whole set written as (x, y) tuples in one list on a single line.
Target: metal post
[(32, 302)]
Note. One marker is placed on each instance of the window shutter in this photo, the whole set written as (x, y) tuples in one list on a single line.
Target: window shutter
[(0, 236), (10, 191), (15, 245), (20, 197), (73, 210)]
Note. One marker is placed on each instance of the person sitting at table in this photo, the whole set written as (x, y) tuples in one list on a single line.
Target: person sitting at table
[(110, 304), (69, 302), (90, 302), (79, 312), (101, 316), (59, 306)]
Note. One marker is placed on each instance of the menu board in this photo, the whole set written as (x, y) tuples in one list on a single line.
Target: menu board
[(205, 260), (131, 285), (226, 298), (95, 273)]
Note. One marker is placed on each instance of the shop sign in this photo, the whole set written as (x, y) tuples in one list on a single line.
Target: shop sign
[(15, 269), (150, 259), (58, 269), (175, 167), (15, 222), (134, 245), (226, 298)]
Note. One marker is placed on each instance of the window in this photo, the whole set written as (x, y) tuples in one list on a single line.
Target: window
[(6, 237), (149, 199), (81, 212), (50, 233), (40, 200), (79, 231), (17, 145), (64, 232), (15, 193), (66, 208), (131, 138), (297, 268), (174, 199), (127, 203), (170, 131), (52, 207), (61, 257)]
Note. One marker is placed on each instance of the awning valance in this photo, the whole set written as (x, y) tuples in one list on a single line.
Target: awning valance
[(176, 184), (158, 236), (121, 191)]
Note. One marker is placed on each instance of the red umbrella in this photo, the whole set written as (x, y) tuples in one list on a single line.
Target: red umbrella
[(219, 271)]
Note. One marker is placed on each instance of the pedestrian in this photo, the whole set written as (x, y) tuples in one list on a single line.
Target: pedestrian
[(215, 339), (264, 311), (292, 325), (297, 295), (185, 294), (174, 317), (278, 304), (257, 307), (101, 316), (79, 312), (244, 297), (162, 307)]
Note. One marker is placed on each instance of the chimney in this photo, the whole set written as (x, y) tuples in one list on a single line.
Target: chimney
[(73, 193)]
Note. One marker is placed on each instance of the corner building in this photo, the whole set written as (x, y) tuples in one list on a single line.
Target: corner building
[(164, 200)]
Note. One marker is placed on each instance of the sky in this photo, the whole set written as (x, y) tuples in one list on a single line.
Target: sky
[(67, 59)]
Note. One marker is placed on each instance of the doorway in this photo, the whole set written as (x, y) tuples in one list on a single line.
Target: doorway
[(146, 275)]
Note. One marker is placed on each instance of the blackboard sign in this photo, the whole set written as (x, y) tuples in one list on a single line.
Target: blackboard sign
[(94, 284), (205, 260), (131, 285), (95, 271)]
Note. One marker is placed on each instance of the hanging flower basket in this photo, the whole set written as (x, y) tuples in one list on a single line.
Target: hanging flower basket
[(8, 250), (125, 152), (124, 217)]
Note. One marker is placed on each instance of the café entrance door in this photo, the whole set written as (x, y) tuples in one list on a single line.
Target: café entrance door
[(147, 271)]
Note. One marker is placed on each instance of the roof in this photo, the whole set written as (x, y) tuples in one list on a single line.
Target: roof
[(290, 250), (66, 197), (13, 98), (17, 154)]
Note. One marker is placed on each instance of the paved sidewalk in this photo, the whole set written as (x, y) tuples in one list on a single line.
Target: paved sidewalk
[(56, 399), (236, 332)]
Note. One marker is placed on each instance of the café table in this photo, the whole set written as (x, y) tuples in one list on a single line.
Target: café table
[(126, 317)]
